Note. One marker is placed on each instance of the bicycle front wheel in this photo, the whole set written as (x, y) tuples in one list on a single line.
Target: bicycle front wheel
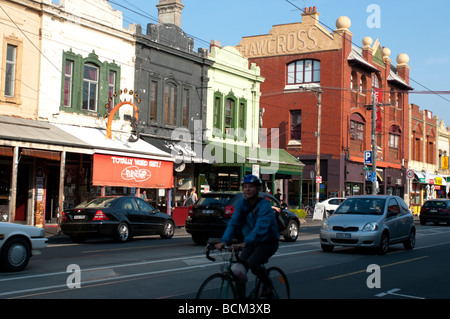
[(280, 284), (217, 286)]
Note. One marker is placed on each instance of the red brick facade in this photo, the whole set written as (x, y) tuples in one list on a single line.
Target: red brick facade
[(347, 76)]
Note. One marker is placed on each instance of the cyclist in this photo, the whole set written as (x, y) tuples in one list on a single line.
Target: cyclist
[(255, 219)]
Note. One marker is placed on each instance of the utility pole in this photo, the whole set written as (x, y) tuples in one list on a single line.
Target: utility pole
[(318, 93), (374, 144)]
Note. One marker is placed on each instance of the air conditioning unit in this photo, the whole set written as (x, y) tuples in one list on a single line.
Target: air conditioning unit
[(398, 181)]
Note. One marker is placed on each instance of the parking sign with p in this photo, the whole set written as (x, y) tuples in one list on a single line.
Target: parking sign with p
[(367, 157)]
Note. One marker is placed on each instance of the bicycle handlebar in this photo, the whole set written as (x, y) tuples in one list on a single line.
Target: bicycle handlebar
[(211, 247)]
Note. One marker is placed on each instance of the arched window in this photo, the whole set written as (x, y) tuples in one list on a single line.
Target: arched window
[(303, 71), (90, 87), (357, 125)]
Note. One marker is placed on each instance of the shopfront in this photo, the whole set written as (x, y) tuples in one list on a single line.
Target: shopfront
[(426, 186)]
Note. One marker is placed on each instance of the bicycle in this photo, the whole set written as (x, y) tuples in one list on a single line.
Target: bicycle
[(309, 211), (225, 285)]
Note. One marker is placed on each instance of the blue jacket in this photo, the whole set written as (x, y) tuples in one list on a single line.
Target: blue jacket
[(257, 226)]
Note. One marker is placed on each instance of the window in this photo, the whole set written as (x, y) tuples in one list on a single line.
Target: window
[(417, 149), (170, 103), (394, 136), (153, 100), (242, 113), (111, 89), (10, 72), (229, 118), (217, 112), (296, 125), (303, 71), (356, 127), (68, 83), (90, 87), (186, 98)]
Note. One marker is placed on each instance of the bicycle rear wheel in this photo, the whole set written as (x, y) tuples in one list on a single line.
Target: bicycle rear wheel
[(280, 284), (217, 286)]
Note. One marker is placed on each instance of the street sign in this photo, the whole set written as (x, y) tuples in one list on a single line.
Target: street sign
[(371, 176), (367, 157), (319, 179), (410, 174)]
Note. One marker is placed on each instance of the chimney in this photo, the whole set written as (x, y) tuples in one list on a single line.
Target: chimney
[(169, 12), (310, 16)]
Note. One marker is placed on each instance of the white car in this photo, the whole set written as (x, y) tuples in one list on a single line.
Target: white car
[(18, 243), (329, 205)]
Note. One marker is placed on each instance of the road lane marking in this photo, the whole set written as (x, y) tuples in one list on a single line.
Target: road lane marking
[(394, 293), (384, 266)]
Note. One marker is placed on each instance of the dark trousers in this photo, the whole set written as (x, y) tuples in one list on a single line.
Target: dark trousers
[(254, 256)]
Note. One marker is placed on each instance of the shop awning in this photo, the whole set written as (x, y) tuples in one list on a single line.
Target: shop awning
[(36, 135), (181, 151), (271, 161), (428, 178), (117, 145)]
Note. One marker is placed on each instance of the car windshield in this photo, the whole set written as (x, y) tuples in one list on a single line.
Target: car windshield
[(362, 206), (218, 201), (435, 204), (103, 202)]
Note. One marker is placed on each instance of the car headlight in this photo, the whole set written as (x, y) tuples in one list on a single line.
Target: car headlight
[(326, 225), (42, 234), (372, 226)]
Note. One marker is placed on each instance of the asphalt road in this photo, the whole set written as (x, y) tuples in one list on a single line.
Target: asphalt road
[(153, 268)]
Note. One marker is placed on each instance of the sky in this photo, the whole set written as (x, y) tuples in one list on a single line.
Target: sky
[(417, 28)]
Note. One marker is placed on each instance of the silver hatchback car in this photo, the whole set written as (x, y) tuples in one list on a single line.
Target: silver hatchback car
[(369, 221)]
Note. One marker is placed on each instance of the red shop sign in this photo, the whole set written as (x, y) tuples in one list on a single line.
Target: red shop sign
[(113, 170)]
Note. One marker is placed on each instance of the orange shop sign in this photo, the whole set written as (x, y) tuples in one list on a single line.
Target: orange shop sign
[(113, 170)]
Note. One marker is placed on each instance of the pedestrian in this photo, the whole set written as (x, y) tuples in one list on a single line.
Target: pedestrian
[(191, 197), (254, 218)]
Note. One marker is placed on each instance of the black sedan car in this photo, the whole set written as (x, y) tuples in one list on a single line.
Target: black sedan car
[(436, 211), (209, 217), (119, 217)]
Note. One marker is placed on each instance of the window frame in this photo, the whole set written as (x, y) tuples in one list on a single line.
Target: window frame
[(103, 89), (299, 70), (295, 129)]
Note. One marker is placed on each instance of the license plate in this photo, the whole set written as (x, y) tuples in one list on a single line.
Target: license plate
[(78, 217), (208, 211), (343, 235), (433, 210)]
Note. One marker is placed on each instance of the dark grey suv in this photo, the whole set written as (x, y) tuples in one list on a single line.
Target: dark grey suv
[(209, 217)]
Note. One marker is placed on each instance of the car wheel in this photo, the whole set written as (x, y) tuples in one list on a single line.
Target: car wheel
[(122, 233), (168, 230), (384, 243), (411, 241), (200, 239), (327, 248), (423, 221), (291, 233), (15, 254)]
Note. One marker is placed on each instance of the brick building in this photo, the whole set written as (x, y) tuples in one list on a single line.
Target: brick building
[(299, 60)]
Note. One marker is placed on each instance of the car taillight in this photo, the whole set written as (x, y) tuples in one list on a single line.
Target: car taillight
[(64, 217), (190, 211), (228, 211), (99, 215)]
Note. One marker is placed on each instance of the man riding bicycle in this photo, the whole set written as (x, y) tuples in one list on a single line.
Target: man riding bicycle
[(255, 218)]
